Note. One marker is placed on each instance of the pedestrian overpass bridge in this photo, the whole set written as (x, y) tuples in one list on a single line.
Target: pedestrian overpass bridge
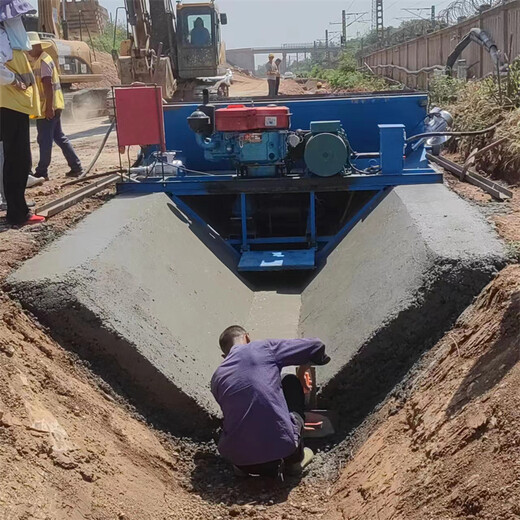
[(245, 57)]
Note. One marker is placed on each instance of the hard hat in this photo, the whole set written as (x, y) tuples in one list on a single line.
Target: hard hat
[(271, 56), (35, 39)]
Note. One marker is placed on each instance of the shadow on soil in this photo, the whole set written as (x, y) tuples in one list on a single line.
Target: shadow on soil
[(99, 130), (382, 364), (495, 364), (213, 479)]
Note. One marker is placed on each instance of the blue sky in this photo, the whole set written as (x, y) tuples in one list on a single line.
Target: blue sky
[(260, 23)]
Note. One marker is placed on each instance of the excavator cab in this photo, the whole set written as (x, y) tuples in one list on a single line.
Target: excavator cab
[(200, 51)]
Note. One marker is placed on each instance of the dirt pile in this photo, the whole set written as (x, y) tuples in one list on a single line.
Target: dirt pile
[(108, 69), (449, 449)]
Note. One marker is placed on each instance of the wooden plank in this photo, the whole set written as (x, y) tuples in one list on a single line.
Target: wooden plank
[(61, 204)]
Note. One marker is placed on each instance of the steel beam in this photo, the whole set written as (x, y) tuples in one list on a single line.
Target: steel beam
[(215, 186)]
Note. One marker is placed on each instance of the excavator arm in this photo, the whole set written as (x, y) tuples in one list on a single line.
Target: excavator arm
[(139, 61), (139, 20), (49, 15)]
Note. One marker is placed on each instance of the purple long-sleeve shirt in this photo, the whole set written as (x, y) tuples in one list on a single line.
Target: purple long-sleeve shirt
[(258, 427)]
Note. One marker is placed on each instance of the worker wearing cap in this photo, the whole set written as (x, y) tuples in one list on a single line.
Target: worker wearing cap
[(19, 99), (264, 414), (272, 72), (52, 105)]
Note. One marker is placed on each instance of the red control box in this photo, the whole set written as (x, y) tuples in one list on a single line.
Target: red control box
[(239, 118), (139, 116)]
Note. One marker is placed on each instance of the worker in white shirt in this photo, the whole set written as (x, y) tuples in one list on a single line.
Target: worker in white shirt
[(272, 73)]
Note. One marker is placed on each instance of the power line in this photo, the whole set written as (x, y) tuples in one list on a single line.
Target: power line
[(345, 24)]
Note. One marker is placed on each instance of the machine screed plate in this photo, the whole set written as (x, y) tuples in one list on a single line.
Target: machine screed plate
[(278, 260)]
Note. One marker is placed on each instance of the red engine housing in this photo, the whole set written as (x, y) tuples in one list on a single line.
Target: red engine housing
[(239, 118)]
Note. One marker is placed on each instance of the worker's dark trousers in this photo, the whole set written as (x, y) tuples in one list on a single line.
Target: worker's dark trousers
[(277, 87), (49, 131), (295, 398), (272, 87), (14, 132)]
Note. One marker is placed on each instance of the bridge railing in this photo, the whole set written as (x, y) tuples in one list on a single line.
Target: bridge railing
[(298, 45)]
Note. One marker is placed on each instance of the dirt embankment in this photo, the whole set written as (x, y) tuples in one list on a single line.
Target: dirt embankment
[(450, 450)]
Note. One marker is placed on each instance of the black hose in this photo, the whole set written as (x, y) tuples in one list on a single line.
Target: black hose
[(450, 134), (100, 149), (483, 39)]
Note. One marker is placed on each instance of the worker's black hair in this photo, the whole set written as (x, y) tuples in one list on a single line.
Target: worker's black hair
[(228, 337)]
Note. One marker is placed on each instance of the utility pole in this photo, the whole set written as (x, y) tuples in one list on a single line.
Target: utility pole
[(327, 53), (378, 19), (344, 28), (434, 18), (346, 24), (64, 23)]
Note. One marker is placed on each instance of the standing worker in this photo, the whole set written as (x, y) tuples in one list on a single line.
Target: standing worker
[(272, 72), (19, 99), (264, 414), (278, 64), (52, 105)]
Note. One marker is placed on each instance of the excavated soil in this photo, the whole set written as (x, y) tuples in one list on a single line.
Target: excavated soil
[(108, 70), (449, 449), (444, 445)]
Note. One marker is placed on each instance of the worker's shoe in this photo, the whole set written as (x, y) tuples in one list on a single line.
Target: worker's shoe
[(297, 469), (34, 181), (34, 219), (43, 176), (75, 173)]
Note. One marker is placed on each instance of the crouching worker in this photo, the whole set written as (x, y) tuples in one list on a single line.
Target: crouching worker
[(264, 414)]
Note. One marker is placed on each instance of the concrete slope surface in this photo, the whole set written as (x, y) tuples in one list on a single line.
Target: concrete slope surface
[(138, 291), (144, 293), (392, 288)]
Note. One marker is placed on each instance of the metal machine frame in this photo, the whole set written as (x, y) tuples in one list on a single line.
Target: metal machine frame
[(311, 249)]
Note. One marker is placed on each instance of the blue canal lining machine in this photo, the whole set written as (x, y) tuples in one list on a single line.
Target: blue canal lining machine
[(283, 181)]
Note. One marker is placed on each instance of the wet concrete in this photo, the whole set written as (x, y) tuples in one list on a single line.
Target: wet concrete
[(392, 288), (143, 293)]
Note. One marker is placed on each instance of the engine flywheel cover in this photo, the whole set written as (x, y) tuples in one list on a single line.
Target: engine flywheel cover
[(326, 154)]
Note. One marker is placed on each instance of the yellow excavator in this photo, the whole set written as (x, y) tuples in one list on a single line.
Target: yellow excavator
[(180, 49), (76, 60)]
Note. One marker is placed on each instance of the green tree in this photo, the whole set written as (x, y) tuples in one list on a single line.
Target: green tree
[(105, 40)]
